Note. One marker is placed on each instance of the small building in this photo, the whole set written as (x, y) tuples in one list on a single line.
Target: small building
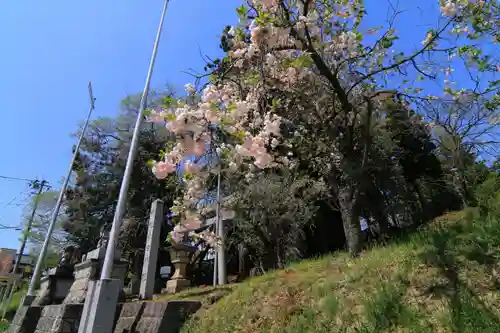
[(8, 259)]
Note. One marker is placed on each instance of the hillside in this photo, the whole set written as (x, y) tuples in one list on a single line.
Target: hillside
[(443, 279)]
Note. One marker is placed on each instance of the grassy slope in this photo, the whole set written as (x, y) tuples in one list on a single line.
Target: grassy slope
[(444, 279)]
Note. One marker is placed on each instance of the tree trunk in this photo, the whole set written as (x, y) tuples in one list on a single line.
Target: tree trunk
[(420, 195), (350, 219)]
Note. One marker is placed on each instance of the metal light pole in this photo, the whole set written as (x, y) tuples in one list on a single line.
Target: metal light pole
[(122, 197), (21, 250), (221, 255), (55, 213)]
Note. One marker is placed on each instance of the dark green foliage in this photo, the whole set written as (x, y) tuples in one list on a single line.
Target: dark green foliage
[(99, 172)]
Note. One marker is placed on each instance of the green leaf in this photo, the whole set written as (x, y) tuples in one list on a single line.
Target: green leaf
[(242, 12), (494, 83), (167, 101), (386, 42), (147, 113), (302, 61)]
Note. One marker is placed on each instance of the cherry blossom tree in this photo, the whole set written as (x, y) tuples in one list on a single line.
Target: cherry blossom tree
[(304, 85)]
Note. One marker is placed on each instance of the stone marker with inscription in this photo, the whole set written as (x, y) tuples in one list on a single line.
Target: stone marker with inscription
[(148, 276)]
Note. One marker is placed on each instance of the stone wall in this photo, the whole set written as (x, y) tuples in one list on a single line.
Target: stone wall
[(63, 318), (165, 317), (138, 317), (26, 319)]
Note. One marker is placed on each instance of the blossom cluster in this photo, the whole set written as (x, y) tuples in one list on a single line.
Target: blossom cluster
[(220, 108), (455, 7)]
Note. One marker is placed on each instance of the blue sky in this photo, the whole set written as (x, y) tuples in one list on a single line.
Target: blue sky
[(52, 49)]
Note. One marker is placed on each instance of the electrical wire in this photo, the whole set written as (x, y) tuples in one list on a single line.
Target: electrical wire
[(11, 203), (19, 179)]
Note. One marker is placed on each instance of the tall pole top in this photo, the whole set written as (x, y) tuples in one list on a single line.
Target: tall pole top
[(91, 96)]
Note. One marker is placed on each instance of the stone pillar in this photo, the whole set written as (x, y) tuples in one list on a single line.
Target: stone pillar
[(148, 276)]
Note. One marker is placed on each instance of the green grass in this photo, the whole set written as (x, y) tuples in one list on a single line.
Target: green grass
[(14, 305), (446, 278), (4, 326)]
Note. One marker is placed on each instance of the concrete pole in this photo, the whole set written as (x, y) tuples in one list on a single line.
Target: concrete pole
[(21, 248), (221, 254), (102, 306), (43, 252), (122, 197)]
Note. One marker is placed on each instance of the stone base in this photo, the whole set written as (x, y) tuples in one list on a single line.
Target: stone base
[(63, 318), (90, 270), (53, 290), (129, 317), (100, 253), (174, 286), (165, 317), (26, 319), (155, 317), (101, 309)]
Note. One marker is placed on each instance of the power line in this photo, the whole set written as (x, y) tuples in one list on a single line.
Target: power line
[(19, 179), (3, 227), (12, 203)]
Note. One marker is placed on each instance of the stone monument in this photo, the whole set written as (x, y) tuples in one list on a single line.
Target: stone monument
[(148, 276), (55, 285), (90, 269)]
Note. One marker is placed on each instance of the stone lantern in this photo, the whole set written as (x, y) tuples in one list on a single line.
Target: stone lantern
[(180, 254)]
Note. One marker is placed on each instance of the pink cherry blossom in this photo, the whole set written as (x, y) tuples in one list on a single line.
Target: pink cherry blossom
[(209, 237), (273, 127), (162, 169), (212, 116), (242, 109), (256, 35), (199, 148), (267, 4), (210, 94), (449, 8), (191, 223), (188, 144), (155, 117), (206, 137), (248, 143), (238, 53), (175, 126), (241, 150), (262, 161), (178, 233), (189, 88)]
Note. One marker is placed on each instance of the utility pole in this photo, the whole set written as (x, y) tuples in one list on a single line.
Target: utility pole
[(55, 213), (20, 253), (98, 316)]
